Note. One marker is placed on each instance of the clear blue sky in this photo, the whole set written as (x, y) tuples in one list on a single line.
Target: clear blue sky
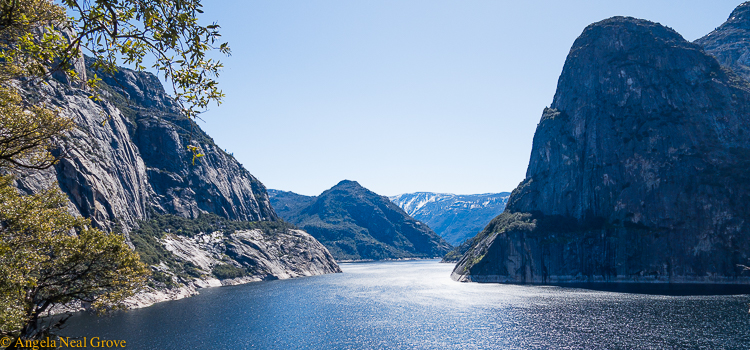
[(403, 96)]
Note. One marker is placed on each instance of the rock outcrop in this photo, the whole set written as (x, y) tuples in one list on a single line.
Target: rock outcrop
[(729, 42), (455, 217), (263, 254), (638, 170), (355, 223)]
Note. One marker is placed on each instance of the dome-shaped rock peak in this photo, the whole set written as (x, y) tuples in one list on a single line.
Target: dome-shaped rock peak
[(637, 171)]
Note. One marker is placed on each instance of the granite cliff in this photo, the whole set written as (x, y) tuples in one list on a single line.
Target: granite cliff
[(355, 223), (128, 154), (638, 170), (728, 42), (126, 162)]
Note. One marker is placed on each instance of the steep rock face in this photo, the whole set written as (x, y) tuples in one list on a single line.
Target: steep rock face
[(355, 223), (102, 171), (729, 42), (128, 154), (217, 183), (637, 171), (454, 217)]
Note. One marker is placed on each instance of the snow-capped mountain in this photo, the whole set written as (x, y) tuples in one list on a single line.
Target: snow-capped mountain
[(454, 217)]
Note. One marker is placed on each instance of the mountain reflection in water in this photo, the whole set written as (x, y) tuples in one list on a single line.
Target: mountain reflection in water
[(415, 305)]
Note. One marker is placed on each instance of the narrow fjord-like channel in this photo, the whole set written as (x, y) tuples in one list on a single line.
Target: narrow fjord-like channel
[(415, 305)]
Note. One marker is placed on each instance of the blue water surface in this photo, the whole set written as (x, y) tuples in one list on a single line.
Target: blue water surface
[(415, 305)]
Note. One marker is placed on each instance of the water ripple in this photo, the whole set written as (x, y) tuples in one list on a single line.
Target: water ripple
[(415, 305)]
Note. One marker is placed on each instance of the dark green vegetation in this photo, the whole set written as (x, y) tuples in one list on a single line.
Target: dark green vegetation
[(505, 222), (355, 223), (226, 271), (288, 204), (205, 222), (638, 170), (458, 251)]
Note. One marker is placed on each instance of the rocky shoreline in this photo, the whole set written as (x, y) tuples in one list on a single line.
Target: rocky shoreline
[(395, 259)]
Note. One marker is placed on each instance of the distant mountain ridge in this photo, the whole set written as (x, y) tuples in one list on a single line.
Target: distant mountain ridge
[(355, 223), (455, 217), (289, 204)]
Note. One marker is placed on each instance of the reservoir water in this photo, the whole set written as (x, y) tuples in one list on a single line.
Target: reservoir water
[(415, 305)]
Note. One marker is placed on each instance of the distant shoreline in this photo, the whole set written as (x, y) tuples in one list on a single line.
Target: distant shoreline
[(380, 260)]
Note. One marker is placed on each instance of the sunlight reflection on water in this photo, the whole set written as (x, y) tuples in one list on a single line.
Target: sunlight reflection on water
[(415, 305)]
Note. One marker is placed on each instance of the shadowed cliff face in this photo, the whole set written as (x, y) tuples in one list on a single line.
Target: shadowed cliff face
[(637, 170), (639, 115)]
